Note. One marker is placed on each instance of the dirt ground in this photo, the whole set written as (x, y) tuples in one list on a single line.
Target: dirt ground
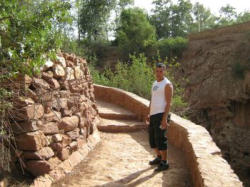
[(122, 160)]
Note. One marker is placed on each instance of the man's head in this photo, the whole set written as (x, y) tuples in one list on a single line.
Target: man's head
[(159, 71)]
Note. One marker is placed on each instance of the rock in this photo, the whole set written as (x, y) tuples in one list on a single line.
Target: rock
[(74, 134), (66, 112), (69, 123), (70, 63), (64, 94), (23, 127), (31, 112), (59, 71), (63, 154), (49, 128), (31, 94), (78, 73), (22, 101), (64, 84), (47, 75), (76, 86), (57, 147), (81, 141), (70, 74), (54, 84), (40, 83), (44, 153), (54, 161), (38, 167), (31, 141), (66, 140), (57, 138), (48, 64), (52, 116), (60, 103), (61, 61), (73, 146)]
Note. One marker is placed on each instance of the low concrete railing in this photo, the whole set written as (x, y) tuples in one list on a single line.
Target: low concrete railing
[(203, 157)]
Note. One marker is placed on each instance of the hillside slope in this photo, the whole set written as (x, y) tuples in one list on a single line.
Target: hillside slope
[(216, 66)]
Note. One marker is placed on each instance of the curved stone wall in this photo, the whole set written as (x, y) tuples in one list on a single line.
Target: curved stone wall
[(54, 117), (203, 157)]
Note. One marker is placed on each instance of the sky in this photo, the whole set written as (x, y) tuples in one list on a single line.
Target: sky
[(213, 5)]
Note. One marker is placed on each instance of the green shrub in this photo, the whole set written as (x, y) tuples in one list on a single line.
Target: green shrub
[(137, 77), (172, 47)]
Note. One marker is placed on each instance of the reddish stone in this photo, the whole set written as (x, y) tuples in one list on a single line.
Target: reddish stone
[(73, 146), (31, 141), (63, 154), (69, 123), (30, 112), (52, 116), (22, 101), (44, 153), (38, 167), (23, 127), (66, 140), (74, 134), (57, 147), (49, 128), (40, 83)]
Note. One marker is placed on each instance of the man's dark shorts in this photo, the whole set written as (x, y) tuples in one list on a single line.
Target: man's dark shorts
[(157, 136)]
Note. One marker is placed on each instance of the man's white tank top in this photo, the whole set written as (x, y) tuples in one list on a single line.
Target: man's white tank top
[(158, 99)]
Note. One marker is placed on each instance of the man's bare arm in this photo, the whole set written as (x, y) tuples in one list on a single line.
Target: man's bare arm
[(168, 97)]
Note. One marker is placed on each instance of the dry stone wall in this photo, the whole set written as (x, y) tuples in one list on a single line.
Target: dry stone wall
[(54, 113)]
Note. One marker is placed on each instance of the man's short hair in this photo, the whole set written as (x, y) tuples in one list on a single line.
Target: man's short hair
[(160, 65)]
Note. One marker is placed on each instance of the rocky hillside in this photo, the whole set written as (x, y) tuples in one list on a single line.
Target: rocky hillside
[(216, 67)]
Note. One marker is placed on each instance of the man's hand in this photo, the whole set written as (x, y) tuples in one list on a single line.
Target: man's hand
[(148, 119), (164, 124)]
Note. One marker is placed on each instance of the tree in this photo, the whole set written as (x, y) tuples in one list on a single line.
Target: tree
[(135, 33), (171, 20), (181, 18), (243, 17), (29, 32), (203, 18), (93, 18), (228, 15), (161, 18)]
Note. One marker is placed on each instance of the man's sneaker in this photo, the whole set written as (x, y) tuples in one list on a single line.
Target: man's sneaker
[(156, 161), (162, 167)]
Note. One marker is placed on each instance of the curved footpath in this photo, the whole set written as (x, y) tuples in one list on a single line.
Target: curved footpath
[(121, 159)]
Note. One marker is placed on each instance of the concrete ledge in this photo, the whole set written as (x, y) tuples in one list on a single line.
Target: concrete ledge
[(66, 166), (203, 157)]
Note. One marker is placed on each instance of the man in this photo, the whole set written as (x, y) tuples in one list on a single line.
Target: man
[(162, 91)]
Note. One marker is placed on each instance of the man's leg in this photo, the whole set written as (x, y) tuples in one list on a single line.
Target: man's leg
[(152, 142), (157, 152), (162, 147), (164, 155)]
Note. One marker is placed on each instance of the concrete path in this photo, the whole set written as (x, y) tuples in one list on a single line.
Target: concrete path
[(121, 159)]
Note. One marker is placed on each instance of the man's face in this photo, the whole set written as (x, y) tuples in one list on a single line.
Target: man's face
[(159, 73)]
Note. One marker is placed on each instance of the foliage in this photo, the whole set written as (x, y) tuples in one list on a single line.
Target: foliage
[(138, 77), (171, 20), (203, 18), (29, 31), (135, 33), (93, 18), (172, 47), (243, 17)]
